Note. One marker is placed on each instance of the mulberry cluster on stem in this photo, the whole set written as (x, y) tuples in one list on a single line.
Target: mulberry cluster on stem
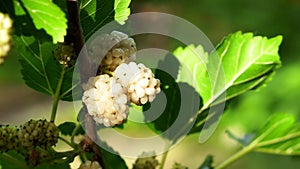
[(113, 49), (38, 133), (120, 81), (105, 100), (9, 138), (139, 81), (5, 37), (145, 162)]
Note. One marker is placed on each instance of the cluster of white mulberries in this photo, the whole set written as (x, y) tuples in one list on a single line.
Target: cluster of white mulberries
[(107, 96), (113, 49), (5, 38), (105, 100), (139, 81)]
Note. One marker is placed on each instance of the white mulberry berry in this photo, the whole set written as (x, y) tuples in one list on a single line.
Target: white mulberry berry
[(106, 100), (5, 37), (90, 165), (139, 81), (115, 48)]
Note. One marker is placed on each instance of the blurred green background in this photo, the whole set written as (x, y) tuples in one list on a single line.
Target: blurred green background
[(216, 18)]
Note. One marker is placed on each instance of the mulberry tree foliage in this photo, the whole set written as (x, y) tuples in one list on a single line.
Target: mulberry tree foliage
[(38, 31)]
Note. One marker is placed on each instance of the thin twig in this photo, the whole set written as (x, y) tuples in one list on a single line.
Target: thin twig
[(75, 36)]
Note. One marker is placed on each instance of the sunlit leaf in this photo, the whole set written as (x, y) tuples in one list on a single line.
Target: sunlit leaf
[(281, 135), (240, 63), (244, 62), (121, 10), (48, 16)]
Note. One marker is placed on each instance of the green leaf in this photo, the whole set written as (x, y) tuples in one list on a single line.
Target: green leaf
[(95, 14), (12, 160), (192, 68), (207, 164), (40, 69), (179, 100), (112, 160), (240, 63), (48, 16), (121, 10), (53, 166), (67, 128), (281, 135)]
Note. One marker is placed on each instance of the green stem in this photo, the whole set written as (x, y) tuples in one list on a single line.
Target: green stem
[(164, 156), (235, 157), (74, 133), (56, 96), (163, 160), (67, 142)]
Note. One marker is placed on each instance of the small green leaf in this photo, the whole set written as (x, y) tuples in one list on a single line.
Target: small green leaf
[(67, 128), (12, 160), (121, 10), (40, 69), (245, 140), (281, 135), (207, 164), (53, 166), (48, 16)]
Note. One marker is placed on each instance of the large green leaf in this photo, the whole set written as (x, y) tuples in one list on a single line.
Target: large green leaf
[(121, 10), (281, 135), (240, 63), (40, 70), (48, 16)]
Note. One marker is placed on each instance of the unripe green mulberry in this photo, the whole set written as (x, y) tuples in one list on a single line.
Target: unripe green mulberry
[(8, 138), (38, 133), (144, 162), (5, 37), (65, 54), (90, 165)]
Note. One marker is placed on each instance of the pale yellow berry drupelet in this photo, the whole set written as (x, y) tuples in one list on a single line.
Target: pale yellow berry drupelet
[(5, 37)]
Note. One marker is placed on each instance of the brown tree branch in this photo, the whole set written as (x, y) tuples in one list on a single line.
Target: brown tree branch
[(75, 36)]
